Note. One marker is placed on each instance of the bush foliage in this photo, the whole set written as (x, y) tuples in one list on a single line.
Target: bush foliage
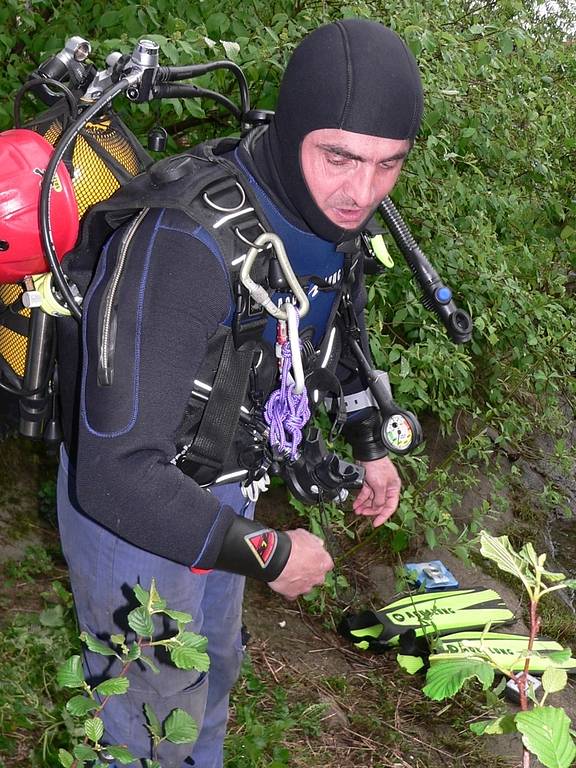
[(489, 190)]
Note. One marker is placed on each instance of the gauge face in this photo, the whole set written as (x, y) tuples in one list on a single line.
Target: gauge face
[(399, 432)]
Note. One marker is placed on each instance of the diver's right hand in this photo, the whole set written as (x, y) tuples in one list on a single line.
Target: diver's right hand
[(306, 566)]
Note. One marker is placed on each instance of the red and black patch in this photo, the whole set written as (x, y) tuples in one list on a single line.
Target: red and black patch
[(263, 545)]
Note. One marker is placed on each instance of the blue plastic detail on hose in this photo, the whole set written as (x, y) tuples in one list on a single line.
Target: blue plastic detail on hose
[(443, 294)]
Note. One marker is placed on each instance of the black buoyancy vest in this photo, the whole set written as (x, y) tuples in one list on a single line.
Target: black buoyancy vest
[(213, 442)]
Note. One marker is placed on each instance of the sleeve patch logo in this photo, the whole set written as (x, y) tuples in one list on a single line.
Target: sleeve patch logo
[(263, 545)]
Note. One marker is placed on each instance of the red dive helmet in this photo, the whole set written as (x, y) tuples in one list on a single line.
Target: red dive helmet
[(24, 156)]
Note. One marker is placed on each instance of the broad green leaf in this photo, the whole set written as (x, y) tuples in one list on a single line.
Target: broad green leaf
[(179, 616), (410, 664), (190, 653), (503, 724), (118, 639), (71, 674), (149, 663), (97, 646), (113, 687), (232, 49), (52, 616), (560, 657), (81, 705), (121, 754), (153, 723), (141, 595), (546, 733), (84, 752), (554, 680), (445, 678), (94, 729), (141, 622), (499, 550), (65, 758), (180, 728)]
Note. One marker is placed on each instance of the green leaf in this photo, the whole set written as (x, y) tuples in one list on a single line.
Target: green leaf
[(113, 687), (554, 680), (94, 729), (157, 603), (180, 728), (66, 759), (71, 674), (506, 44), (121, 754), (134, 652), (84, 752), (499, 550), (141, 595), (446, 677), (118, 639), (52, 617), (141, 622), (546, 733), (81, 705), (503, 724), (149, 663), (410, 664), (153, 723), (560, 657), (179, 616), (190, 653), (97, 646)]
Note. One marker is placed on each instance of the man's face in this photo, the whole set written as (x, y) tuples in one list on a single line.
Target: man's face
[(348, 174)]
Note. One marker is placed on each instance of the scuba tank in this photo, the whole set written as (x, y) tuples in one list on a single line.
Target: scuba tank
[(103, 156)]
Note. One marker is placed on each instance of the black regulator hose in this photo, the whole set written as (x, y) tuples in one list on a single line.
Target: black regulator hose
[(185, 91), (44, 211), (34, 85), (437, 296), (173, 74)]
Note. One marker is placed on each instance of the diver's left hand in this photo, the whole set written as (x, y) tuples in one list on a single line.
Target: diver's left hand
[(379, 496)]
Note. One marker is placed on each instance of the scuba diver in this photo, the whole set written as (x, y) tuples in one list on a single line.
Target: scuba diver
[(166, 389)]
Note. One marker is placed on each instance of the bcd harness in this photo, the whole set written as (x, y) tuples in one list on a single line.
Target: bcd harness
[(222, 436)]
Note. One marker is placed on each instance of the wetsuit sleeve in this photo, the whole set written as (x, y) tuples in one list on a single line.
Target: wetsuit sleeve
[(364, 422), (171, 296)]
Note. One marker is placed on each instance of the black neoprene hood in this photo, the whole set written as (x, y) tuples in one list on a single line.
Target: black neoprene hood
[(355, 75)]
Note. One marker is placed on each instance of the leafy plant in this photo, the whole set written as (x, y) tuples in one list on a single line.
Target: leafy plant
[(546, 730), (187, 651)]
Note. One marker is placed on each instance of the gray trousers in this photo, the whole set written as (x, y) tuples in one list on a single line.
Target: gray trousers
[(103, 568)]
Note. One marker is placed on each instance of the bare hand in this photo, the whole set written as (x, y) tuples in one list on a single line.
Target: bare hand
[(380, 493), (307, 565)]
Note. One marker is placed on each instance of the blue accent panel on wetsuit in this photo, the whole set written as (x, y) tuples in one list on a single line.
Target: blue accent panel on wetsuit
[(309, 256)]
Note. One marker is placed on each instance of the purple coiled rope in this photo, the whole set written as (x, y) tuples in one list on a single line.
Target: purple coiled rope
[(286, 412)]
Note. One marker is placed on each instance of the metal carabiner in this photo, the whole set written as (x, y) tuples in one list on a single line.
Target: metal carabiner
[(258, 292)]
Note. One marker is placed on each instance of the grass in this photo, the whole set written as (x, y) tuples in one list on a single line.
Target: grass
[(38, 634)]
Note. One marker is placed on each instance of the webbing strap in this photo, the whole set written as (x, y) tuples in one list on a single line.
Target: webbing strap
[(214, 437)]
